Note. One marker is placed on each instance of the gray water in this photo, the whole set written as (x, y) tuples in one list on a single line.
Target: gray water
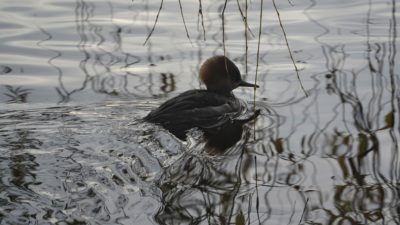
[(76, 77)]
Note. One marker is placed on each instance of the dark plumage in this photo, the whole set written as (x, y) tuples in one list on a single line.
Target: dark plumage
[(195, 108)]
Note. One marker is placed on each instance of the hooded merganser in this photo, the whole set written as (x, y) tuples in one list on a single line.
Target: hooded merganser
[(214, 111)]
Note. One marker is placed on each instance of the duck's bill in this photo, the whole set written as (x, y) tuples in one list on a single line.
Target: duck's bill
[(245, 84)]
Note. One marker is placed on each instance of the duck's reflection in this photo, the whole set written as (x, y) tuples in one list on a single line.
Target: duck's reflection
[(202, 190)]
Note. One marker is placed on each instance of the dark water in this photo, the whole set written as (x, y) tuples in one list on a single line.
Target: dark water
[(75, 78)]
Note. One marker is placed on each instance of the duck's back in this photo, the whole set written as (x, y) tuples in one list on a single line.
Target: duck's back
[(195, 108)]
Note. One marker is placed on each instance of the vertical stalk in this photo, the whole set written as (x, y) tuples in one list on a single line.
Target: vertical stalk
[(290, 52), (258, 59)]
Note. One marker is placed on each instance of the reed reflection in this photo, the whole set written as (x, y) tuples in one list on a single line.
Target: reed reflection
[(106, 67), (359, 146), (17, 94)]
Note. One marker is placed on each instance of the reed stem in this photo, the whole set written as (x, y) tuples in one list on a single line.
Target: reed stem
[(290, 52)]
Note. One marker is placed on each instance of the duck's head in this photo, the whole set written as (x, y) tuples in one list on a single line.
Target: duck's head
[(221, 75)]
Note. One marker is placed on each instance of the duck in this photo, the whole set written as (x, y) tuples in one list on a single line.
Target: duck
[(214, 110)]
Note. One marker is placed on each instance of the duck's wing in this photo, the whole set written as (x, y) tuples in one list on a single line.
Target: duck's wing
[(195, 108)]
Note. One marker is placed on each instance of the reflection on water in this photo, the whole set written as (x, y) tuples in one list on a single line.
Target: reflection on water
[(16, 94), (73, 88)]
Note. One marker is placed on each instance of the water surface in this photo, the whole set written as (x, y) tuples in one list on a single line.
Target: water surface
[(75, 79)]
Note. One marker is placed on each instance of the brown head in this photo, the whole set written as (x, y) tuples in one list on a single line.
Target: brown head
[(221, 75)]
